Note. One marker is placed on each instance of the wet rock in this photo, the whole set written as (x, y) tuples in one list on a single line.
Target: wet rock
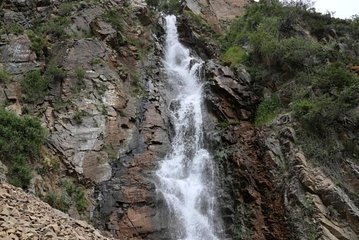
[(228, 96)]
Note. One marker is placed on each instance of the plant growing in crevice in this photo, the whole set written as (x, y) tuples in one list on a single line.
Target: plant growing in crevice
[(38, 43), (5, 76), (34, 86), (58, 200), (234, 56), (76, 194), (115, 18), (267, 110), (78, 116), (79, 81)]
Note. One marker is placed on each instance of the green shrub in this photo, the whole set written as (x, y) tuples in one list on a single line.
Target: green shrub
[(80, 73), (234, 56), (77, 194), (95, 61), (4, 76), (34, 86), (66, 8), (19, 172), (54, 73), (20, 141), (80, 200), (54, 26), (295, 53), (170, 6), (266, 36), (303, 107), (14, 28), (115, 18), (319, 113), (334, 77), (58, 201), (38, 43), (267, 110), (153, 3), (78, 116), (264, 13), (79, 81)]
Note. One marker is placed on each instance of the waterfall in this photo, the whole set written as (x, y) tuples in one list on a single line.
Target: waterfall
[(186, 173)]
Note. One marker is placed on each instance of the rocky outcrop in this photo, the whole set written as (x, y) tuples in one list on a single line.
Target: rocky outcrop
[(83, 131), (315, 205), (107, 120), (246, 185), (231, 89), (23, 216), (217, 12), (128, 202), (105, 113)]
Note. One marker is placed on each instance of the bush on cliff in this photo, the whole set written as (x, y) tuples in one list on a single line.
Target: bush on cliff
[(20, 141), (34, 86), (234, 56), (302, 57), (267, 110)]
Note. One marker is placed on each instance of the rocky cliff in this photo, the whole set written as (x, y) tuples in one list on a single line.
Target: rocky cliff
[(92, 73)]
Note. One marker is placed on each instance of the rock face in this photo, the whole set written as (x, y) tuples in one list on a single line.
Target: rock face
[(230, 90), (246, 184), (108, 126), (105, 115), (217, 12), (328, 212), (24, 216), (128, 204), (268, 188)]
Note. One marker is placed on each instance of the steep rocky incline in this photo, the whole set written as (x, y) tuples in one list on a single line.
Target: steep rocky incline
[(101, 94), (23, 216), (104, 107)]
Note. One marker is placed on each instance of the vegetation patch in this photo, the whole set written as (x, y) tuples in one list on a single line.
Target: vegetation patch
[(311, 78), (58, 200), (54, 26), (13, 28), (5, 77), (38, 43), (267, 110), (115, 18), (78, 116), (34, 86), (234, 56), (77, 194), (20, 141)]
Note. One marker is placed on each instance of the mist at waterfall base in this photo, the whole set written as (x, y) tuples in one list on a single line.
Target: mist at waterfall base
[(185, 176)]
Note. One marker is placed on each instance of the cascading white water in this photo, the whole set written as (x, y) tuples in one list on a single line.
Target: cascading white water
[(186, 174)]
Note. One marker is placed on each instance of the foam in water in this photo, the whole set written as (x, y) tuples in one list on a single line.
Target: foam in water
[(186, 174)]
